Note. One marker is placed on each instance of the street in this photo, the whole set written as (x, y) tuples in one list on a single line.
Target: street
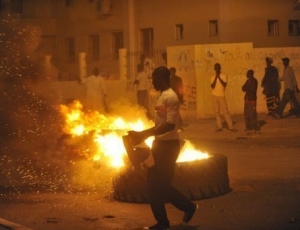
[(264, 173)]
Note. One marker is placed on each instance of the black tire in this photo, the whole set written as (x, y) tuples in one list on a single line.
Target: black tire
[(197, 180)]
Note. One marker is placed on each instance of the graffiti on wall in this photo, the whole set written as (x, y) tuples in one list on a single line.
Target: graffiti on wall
[(184, 60), (190, 98), (236, 60), (185, 63), (237, 63)]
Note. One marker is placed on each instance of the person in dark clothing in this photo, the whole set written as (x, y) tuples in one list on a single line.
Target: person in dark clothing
[(250, 98), (290, 85), (271, 86), (165, 150)]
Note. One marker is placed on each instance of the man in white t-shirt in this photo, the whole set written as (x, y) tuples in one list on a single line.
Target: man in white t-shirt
[(218, 84), (148, 64), (165, 150)]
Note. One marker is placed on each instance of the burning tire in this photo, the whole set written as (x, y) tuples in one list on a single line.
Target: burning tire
[(197, 180)]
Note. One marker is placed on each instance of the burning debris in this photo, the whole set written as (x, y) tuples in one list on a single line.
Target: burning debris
[(107, 135), (48, 146)]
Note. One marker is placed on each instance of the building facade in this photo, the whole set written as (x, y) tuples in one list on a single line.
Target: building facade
[(100, 28)]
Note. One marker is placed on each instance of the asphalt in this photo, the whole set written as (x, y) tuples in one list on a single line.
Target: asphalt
[(264, 173)]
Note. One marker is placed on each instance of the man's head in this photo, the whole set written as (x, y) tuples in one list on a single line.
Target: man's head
[(217, 67), (269, 61), (285, 61), (172, 71), (161, 78), (250, 73)]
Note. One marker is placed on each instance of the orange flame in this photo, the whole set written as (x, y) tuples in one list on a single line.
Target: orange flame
[(107, 135)]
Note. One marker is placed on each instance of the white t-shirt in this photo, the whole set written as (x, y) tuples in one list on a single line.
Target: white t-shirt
[(95, 84), (148, 66), (167, 110), (219, 89), (143, 84)]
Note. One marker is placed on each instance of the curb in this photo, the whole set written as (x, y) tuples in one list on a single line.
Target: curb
[(12, 226)]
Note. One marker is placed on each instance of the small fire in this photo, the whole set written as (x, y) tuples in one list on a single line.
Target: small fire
[(107, 135)]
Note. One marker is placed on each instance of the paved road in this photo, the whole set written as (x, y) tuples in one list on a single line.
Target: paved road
[(264, 172)]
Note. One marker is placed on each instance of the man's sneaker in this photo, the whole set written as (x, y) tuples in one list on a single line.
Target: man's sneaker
[(189, 215), (158, 227)]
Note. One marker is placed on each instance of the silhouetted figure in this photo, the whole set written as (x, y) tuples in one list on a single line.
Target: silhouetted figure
[(250, 98)]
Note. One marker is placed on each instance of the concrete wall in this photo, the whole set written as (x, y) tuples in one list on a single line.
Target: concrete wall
[(238, 21), (195, 65), (65, 91)]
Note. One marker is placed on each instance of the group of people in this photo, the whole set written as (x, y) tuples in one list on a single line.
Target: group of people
[(218, 85), (144, 71), (290, 90), (271, 89), (166, 145)]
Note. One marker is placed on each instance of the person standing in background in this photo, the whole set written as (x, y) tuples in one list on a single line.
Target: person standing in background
[(148, 64), (142, 94), (250, 98), (96, 92), (218, 85), (271, 86), (290, 87)]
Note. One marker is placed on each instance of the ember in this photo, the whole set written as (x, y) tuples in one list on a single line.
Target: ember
[(107, 132)]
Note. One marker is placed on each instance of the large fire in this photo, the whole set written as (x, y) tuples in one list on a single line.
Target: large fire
[(106, 133)]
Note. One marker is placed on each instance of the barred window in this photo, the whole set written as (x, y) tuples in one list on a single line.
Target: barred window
[(147, 37), (70, 49), (294, 27), (273, 28), (94, 47), (213, 28), (117, 43), (179, 32)]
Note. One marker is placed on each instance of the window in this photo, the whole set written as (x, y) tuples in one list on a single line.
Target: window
[(273, 29), (147, 41), (94, 47), (179, 32), (117, 43), (104, 6), (294, 28), (70, 49), (213, 28)]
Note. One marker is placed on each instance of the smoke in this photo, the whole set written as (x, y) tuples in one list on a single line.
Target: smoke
[(32, 125), (29, 117)]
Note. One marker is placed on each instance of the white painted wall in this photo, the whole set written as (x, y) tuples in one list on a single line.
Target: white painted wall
[(195, 66)]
